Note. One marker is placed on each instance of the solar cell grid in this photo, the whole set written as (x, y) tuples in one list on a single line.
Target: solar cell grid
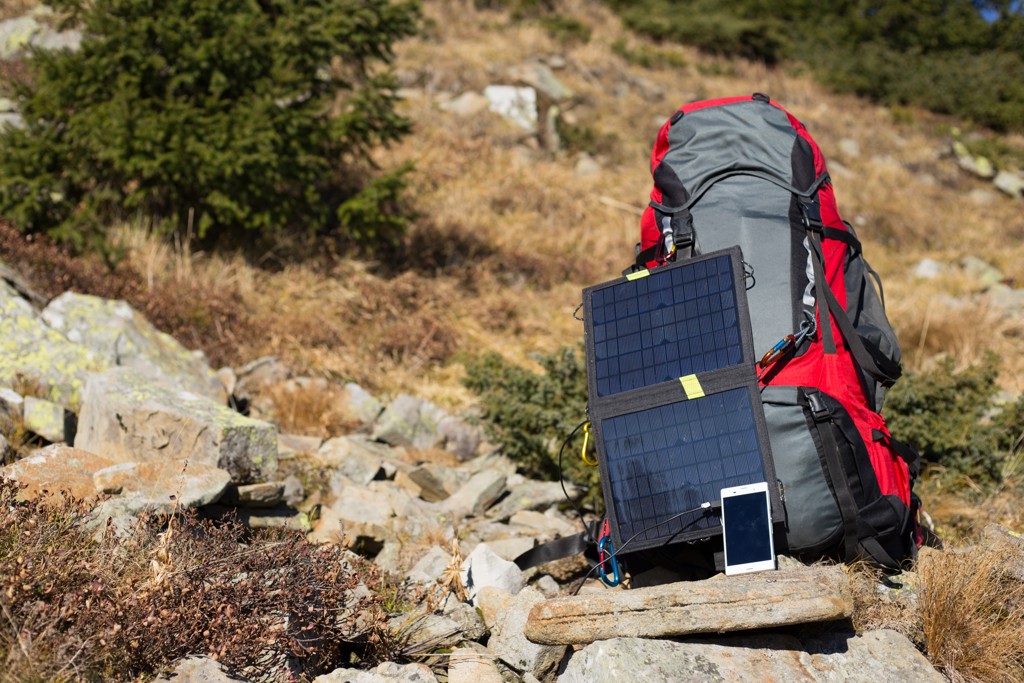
[(671, 458), (674, 322)]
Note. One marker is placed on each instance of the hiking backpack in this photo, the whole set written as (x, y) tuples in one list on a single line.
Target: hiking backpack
[(743, 171)]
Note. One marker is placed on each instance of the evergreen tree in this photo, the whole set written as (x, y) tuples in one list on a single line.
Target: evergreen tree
[(221, 115)]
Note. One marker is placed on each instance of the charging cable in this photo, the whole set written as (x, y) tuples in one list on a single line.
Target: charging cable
[(613, 555)]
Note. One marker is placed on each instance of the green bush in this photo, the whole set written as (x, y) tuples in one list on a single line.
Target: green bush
[(953, 420), (531, 414), (224, 116)]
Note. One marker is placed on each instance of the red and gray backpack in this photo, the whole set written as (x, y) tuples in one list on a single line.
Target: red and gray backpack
[(743, 171)]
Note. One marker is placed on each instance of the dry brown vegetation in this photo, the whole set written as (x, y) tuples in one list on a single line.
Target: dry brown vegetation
[(972, 613), (265, 604)]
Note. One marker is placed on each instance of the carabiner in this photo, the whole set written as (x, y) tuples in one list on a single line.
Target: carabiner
[(777, 351), (605, 546), (586, 441)]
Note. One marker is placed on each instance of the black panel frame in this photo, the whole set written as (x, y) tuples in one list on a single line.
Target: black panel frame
[(740, 375)]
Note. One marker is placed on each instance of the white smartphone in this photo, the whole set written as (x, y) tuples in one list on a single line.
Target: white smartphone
[(747, 529)]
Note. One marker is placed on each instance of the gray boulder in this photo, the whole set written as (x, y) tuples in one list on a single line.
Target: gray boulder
[(129, 418), (388, 672), (149, 486), (414, 423), (30, 348), (44, 418), (509, 643), (118, 335), (873, 657), (1010, 183)]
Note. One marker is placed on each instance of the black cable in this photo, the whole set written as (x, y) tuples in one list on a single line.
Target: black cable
[(614, 555), (561, 474)]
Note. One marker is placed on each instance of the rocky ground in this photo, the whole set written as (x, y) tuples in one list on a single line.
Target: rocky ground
[(135, 418)]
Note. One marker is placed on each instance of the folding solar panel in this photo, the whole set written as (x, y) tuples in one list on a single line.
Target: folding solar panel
[(673, 397)]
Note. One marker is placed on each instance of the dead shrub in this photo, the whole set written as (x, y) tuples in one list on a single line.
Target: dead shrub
[(267, 604), (884, 602), (212, 320), (972, 612), (311, 408)]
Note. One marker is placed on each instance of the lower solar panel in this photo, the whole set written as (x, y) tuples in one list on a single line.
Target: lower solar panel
[(663, 461)]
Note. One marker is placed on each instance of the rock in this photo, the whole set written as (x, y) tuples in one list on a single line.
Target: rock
[(44, 418), (468, 618), (429, 485), (415, 423), (516, 104), (1009, 183), (118, 335), (12, 119), (982, 197), (348, 457), (356, 512), (718, 605), (431, 566), (511, 548), (429, 631), (478, 494), (16, 35), (492, 601), (12, 405), (458, 438), (547, 585), (294, 490), (978, 166), (5, 448), (227, 377), (874, 657), (928, 269), (56, 468), (548, 526), (510, 644), (1001, 538), (849, 148), (466, 665), (586, 166), (484, 568), (290, 444), (1009, 300), (467, 105), (541, 79), (388, 672), (263, 495), (30, 348), (58, 40), (148, 486), (197, 669), (531, 495), (254, 379), (361, 404), (985, 273), (128, 418)]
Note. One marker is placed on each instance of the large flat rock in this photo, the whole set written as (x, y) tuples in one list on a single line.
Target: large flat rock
[(118, 335), (29, 347), (58, 468), (128, 417), (873, 657), (718, 605)]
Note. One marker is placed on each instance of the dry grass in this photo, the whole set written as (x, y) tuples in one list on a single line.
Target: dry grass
[(310, 409), (16, 8), (880, 603), (972, 612)]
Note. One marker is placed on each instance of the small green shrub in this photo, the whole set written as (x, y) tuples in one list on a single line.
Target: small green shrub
[(583, 138), (647, 56), (225, 117), (531, 414), (566, 30), (952, 418)]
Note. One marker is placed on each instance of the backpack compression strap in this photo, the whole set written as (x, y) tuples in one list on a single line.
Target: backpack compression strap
[(871, 360)]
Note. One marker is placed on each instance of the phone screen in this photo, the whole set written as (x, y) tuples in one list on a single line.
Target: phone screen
[(747, 528)]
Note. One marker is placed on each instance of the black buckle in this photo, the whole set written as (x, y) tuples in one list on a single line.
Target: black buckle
[(810, 212), (819, 409)]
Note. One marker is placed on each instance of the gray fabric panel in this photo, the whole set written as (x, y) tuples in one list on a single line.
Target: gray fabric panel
[(754, 214), (745, 136), (743, 209), (813, 517)]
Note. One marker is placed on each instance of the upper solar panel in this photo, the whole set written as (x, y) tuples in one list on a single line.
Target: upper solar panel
[(677, 321)]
